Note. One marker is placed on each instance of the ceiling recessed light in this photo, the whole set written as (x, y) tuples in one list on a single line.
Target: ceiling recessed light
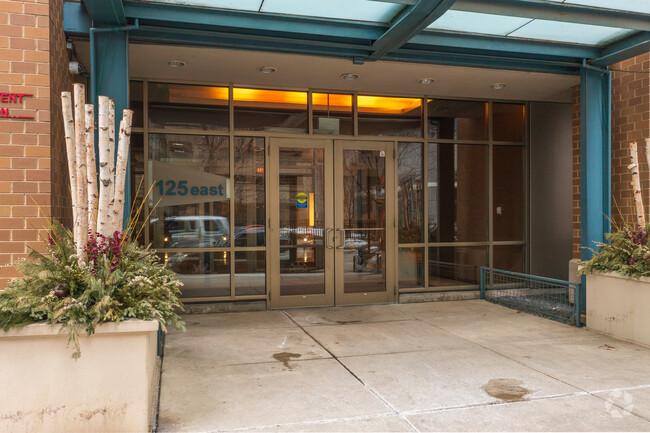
[(175, 63), (349, 76), (267, 69), (498, 86), (427, 81)]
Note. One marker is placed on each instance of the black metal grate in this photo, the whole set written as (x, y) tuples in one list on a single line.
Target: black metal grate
[(546, 297)]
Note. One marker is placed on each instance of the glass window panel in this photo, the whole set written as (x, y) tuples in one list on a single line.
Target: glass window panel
[(181, 106), (410, 190), (190, 175), (473, 22), (357, 10), (508, 122), (411, 267), (455, 266), (250, 212), (205, 274), (136, 102), (509, 258), (302, 221), (270, 110), (332, 113), (508, 187), (250, 273), (457, 192), (388, 116), (137, 179), (457, 120), (569, 32)]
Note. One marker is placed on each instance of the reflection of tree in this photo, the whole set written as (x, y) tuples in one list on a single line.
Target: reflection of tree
[(410, 192), (364, 178)]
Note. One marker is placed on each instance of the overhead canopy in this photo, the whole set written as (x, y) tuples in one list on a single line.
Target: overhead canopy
[(532, 35)]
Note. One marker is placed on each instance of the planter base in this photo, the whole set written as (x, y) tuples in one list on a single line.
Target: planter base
[(619, 306), (111, 388)]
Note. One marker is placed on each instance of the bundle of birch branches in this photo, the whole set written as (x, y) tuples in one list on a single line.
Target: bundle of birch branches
[(636, 181), (97, 207)]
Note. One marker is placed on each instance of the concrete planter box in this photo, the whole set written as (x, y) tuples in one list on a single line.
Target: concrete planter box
[(619, 306), (113, 387)]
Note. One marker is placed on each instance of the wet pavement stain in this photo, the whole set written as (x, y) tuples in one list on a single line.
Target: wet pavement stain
[(508, 390), (285, 357)]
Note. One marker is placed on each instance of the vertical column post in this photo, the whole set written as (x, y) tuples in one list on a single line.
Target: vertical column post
[(595, 162), (109, 76)]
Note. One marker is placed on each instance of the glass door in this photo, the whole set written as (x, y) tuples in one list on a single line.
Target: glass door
[(301, 250), (364, 222)]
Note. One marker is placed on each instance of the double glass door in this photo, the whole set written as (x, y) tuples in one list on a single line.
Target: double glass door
[(331, 222)]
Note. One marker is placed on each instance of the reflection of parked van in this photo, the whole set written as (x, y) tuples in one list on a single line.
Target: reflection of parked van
[(196, 231)]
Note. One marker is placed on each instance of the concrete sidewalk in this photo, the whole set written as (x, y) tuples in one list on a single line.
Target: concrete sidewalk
[(450, 366)]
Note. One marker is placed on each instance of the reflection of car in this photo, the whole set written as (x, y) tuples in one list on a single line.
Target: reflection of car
[(195, 231), (255, 236)]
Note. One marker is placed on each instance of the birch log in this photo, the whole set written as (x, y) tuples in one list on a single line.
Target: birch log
[(647, 155), (636, 185), (68, 125), (120, 169), (105, 178), (111, 159), (91, 169), (82, 177)]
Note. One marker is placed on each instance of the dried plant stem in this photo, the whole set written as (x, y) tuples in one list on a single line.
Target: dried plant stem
[(120, 169), (81, 221), (636, 185)]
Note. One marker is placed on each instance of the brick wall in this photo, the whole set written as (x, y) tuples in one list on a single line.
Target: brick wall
[(630, 122), (26, 151)]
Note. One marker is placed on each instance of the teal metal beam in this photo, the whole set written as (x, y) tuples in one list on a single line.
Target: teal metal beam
[(595, 160), (165, 24), (414, 19), (109, 12), (556, 11), (631, 46), (109, 65)]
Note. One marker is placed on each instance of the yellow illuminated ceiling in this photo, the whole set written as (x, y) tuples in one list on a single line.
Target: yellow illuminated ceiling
[(292, 99)]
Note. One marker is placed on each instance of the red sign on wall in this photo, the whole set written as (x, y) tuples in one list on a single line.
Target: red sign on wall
[(12, 98)]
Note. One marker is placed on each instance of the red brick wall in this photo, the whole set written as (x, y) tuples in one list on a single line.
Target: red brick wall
[(630, 122), (26, 150)]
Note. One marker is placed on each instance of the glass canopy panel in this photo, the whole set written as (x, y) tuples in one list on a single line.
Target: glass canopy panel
[(242, 5), (473, 22), (642, 6), (357, 10), (570, 32)]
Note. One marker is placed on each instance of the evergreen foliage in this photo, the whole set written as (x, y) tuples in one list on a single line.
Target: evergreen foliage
[(627, 253), (121, 280)]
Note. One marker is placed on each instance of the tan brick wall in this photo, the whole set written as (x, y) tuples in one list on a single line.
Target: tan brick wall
[(630, 122), (26, 153)]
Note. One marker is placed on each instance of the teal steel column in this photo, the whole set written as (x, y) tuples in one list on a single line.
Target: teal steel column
[(595, 161), (109, 76)]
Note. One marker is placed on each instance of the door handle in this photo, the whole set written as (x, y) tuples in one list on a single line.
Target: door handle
[(327, 239), (342, 246)]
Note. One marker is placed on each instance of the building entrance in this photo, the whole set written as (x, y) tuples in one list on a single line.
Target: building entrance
[(331, 222)]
